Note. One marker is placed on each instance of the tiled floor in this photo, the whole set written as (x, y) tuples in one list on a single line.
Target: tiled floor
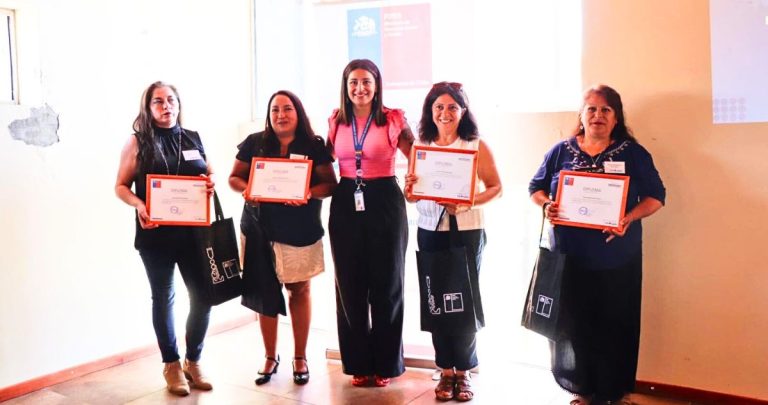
[(232, 359)]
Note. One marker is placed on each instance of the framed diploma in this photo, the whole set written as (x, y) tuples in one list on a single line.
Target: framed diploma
[(279, 180), (591, 200), (177, 200), (445, 174)]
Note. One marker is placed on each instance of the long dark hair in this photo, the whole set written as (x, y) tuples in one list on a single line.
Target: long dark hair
[(467, 129), (304, 130), (143, 125), (621, 131), (377, 109)]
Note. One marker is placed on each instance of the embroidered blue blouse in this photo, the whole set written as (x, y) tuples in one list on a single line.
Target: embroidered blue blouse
[(588, 246)]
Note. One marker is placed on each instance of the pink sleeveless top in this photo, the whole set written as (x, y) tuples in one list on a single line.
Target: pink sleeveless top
[(379, 148)]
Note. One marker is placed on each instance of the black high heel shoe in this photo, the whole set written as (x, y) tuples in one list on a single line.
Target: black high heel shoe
[(300, 378), (265, 377)]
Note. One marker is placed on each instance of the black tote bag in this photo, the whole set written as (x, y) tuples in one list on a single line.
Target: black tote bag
[(449, 293), (542, 303), (218, 278)]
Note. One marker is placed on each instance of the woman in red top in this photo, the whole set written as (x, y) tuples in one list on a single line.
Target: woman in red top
[(368, 227)]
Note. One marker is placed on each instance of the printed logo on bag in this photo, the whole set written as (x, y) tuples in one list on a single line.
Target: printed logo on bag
[(231, 268), (216, 276), (544, 306), (433, 309), (454, 302)]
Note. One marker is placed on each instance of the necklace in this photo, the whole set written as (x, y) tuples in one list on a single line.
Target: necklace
[(595, 160), (178, 158)]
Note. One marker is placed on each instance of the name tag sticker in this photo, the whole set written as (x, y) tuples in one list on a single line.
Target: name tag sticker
[(192, 154), (295, 156), (614, 167)]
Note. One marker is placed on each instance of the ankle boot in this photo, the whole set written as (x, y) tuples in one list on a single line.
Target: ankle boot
[(195, 375), (174, 377)]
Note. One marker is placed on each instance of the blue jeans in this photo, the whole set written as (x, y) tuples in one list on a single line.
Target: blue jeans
[(159, 264)]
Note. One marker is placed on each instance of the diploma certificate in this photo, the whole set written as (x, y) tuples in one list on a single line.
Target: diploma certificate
[(177, 200), (591, 200), (279, 180), (444, 174)]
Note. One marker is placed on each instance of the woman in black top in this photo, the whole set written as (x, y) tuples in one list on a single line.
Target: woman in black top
[(160, 145), (290, 226)]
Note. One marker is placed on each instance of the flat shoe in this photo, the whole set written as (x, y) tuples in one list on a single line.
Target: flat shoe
[(360, 380), (381, 381)]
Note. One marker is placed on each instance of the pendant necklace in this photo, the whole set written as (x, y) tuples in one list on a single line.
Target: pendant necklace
[(178, 160)]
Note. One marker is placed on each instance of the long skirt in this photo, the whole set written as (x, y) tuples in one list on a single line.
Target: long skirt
[(596, 353)]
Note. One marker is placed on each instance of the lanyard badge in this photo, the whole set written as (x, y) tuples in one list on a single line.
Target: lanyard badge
[(358, 142)]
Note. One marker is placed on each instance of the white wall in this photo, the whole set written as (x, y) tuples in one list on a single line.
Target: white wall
[(73, 289)]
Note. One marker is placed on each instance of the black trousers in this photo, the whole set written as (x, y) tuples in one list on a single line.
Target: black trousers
[(451, 350), (368, 250), (600, 319)]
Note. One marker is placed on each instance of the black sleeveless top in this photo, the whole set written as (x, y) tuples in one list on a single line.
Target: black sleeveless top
[(297, 226), (171, 145)]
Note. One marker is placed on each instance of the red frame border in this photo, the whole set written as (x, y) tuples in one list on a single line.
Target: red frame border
[(151, 177), (279, 200), (475, 156), (564, 173)]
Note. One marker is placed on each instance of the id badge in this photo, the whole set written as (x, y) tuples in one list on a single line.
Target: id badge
[(359, 201)]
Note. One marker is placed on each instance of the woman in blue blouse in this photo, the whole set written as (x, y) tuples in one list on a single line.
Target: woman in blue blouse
[(595, 356)]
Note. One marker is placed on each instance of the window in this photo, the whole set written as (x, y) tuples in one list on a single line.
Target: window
[(8, 79)]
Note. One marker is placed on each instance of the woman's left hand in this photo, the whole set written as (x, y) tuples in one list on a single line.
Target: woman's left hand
[(299, 203), (621, 230), (455, 209), (209, 184)]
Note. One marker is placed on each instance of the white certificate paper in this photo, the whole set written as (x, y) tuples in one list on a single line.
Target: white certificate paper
[(177, 200), (444, 174), (279, 180), (591, 200)]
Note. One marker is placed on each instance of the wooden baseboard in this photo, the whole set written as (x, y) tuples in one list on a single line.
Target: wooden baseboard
[(38, 383), (694, 395)]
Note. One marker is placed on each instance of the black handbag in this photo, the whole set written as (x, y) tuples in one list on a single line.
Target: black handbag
[(542, 303), (218, 278), (262, 291), (449, 293)]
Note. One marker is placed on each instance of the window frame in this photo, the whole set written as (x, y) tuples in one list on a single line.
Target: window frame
[(9, 15)]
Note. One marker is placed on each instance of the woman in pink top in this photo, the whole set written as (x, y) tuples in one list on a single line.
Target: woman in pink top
[(368, 227)]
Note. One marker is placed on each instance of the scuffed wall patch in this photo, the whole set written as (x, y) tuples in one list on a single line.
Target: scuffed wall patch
[(40, 129)]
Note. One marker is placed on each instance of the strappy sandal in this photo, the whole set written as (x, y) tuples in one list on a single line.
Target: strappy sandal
[(463, 391), (445, 388), (267, 376), (300, 377)]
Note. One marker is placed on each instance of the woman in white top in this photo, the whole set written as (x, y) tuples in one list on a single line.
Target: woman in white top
[(446, 121)]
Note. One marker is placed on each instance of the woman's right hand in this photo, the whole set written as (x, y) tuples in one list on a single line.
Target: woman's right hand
[(410, 180), (141, 211), (551, 210)]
